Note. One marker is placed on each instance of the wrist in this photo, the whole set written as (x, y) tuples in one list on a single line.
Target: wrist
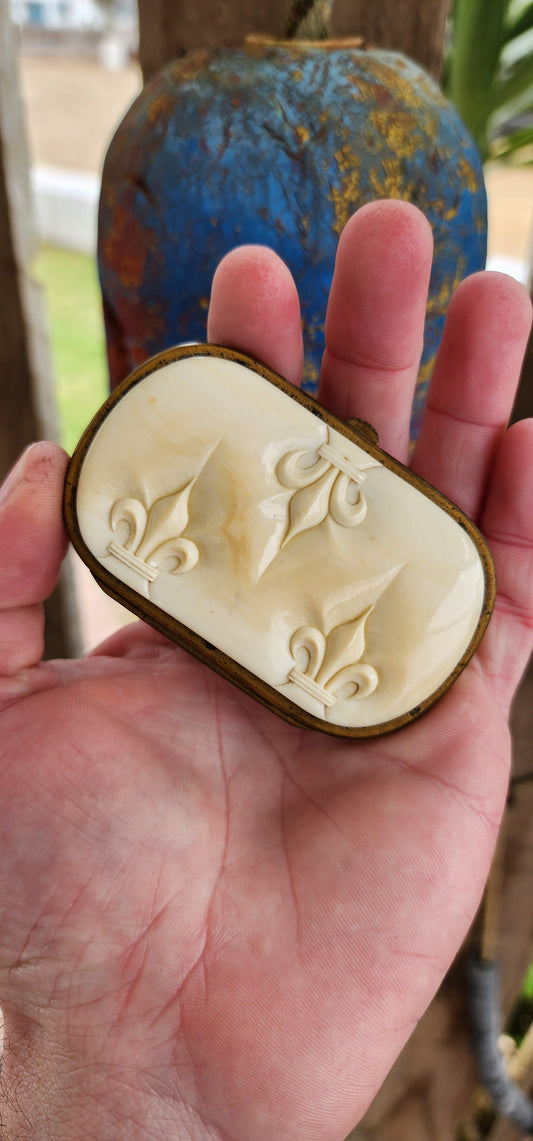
[(45, 1093)]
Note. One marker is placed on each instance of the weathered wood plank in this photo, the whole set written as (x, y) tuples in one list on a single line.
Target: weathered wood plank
[(524, 398), (26, 401), (416, 29), (171, 29)]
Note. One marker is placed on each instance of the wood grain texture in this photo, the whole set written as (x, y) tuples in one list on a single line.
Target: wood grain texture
[(523, 406), (18, 423), (169, 29), (410, 27)]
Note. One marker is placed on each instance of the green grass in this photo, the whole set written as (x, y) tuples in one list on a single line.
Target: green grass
[(527, 989), (77, 334)]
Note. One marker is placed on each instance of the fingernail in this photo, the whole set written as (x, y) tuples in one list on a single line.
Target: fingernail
[(14, 477)]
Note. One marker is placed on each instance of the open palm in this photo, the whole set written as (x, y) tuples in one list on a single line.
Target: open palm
[(215, 925)]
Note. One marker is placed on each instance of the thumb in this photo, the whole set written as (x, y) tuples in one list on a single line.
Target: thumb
[(33, 544)]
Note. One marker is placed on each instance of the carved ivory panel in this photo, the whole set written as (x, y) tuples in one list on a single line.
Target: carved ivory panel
[(277, 544)]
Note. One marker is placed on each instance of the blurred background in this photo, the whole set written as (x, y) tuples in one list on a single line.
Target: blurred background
[(79, 72), (69, 70), (78, 75)]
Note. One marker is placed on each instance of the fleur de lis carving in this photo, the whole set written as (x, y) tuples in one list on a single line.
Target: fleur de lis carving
[(147, 536), (326, 483), (329, 666)]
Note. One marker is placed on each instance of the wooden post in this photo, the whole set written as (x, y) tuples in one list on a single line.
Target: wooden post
[(524, 398), (169, 29), (27, 406), (414, 28)]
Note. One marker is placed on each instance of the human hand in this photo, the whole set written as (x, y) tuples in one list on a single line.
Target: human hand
[(214, 925)]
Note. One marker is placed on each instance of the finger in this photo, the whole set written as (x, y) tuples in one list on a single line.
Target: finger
[(375, 319), (32, 545), (473, 387), (507, 523), (254, 308)]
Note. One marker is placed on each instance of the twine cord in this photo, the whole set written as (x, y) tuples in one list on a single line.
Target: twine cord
[(485, 1023), (308, 19), (499, 1076)]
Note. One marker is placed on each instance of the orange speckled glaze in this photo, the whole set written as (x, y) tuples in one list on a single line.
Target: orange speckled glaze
[(276, 144)]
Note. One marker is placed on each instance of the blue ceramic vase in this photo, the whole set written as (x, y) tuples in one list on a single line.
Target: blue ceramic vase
[(276, 143)]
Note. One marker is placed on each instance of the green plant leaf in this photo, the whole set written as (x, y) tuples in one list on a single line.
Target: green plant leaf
[(527, 989), (78, 345), (503, 146), (515, 84), (477, 38), (517, 26)]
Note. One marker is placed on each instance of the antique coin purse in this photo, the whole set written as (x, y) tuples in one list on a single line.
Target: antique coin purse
[(280, 546)]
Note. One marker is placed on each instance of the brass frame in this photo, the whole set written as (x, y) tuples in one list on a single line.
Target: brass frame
[(356, 431)]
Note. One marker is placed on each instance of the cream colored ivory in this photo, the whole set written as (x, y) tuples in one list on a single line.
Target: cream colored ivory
[(243, 515)]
